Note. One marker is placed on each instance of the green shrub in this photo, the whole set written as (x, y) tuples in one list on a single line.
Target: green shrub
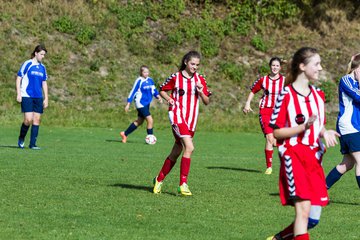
[(232, 71), (258, 43), (65, 24), (85, 35)]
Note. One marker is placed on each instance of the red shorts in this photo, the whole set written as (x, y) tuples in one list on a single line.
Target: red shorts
[(181, 130), (264, 118), (302, 176)]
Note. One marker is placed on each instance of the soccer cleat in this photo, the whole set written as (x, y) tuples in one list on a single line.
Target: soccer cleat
[(184, 190), (21, 143), (34, 147), (276, 237), (157, 186), (123, 136), (268, 171)]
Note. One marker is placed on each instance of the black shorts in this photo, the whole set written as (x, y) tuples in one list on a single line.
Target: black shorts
[(29, 104), (144, 111), (350, 143)]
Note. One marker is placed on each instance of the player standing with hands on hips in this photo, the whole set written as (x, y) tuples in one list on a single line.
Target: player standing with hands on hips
[(30, 85), (187, 88), (271, 85), (298, 120), (348, 123), (142, 92)]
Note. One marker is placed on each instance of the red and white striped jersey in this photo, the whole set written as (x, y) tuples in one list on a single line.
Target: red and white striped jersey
[(271, 87), (293, 109), (186, 97)]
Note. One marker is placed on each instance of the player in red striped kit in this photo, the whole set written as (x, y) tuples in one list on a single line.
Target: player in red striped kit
[(271, 85), (187, 88), (298, 120)]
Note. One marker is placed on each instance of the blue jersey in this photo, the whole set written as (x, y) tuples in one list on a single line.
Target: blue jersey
[(349, 106), (33, 74), (142, 91)]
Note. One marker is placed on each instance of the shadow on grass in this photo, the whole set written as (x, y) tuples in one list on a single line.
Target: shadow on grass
[(8, 146), (344, 203), (138, 187), (274, 194), (112, 140), (236, 169)]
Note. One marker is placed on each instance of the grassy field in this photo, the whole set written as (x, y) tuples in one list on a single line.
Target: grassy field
[(86, 184)]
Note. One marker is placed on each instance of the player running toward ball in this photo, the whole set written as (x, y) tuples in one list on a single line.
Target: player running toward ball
[(298, 121), (142, 92), (271, 85), (348, 123), (187, 88), (32, 93)]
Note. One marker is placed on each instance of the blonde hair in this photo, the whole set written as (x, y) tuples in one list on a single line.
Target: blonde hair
[(354, 63)]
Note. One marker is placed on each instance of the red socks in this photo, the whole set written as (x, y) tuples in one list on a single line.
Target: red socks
[(184, 169), (268, 157), (168, 165), (166, 168), (302, 237)]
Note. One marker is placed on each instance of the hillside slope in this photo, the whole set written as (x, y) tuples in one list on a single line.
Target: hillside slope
[(96, 47)]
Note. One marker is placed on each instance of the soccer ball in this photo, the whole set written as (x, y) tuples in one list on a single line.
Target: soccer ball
[(150, 139)]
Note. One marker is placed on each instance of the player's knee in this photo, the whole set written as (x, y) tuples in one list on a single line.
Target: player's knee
[(28, 121), (312, 223)]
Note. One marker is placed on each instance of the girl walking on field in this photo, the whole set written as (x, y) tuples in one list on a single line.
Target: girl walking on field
[(30, 86), (187, 88), (271, 85), (142, 92), (348, 123), (298, 121)]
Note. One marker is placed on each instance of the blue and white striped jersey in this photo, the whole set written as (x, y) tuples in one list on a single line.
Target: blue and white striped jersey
[(32, 74), (349, 106), (142, 92)]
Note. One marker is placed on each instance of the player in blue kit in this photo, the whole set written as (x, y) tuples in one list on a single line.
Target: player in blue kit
[(142, 93), (348, 123), (30, 86)]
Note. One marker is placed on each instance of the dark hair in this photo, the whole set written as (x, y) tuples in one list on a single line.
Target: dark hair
[(187, 57), (37, 49), (274, 59), (302, 55), (354, 63), (142, 69)]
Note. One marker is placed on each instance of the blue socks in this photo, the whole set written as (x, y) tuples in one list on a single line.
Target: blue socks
[(150, 131), (23, 131), (333, 177), (34, 134), (130, 129), (358, 180)]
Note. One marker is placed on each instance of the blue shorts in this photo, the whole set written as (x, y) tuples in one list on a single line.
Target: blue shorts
[(32, 105), (350, 143), (144, 111)]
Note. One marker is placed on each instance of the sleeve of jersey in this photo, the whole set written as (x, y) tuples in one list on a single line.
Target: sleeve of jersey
[(346, 87), (322, 95), (204, 83), (154, 91), (133, 90), (279, 115), (257, 85), (23, 69), (45, 74), (168, 84)]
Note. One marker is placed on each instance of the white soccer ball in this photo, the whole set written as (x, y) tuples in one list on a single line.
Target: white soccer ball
[(150, 139)]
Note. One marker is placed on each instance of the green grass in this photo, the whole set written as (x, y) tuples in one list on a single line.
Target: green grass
[(86, 184)]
